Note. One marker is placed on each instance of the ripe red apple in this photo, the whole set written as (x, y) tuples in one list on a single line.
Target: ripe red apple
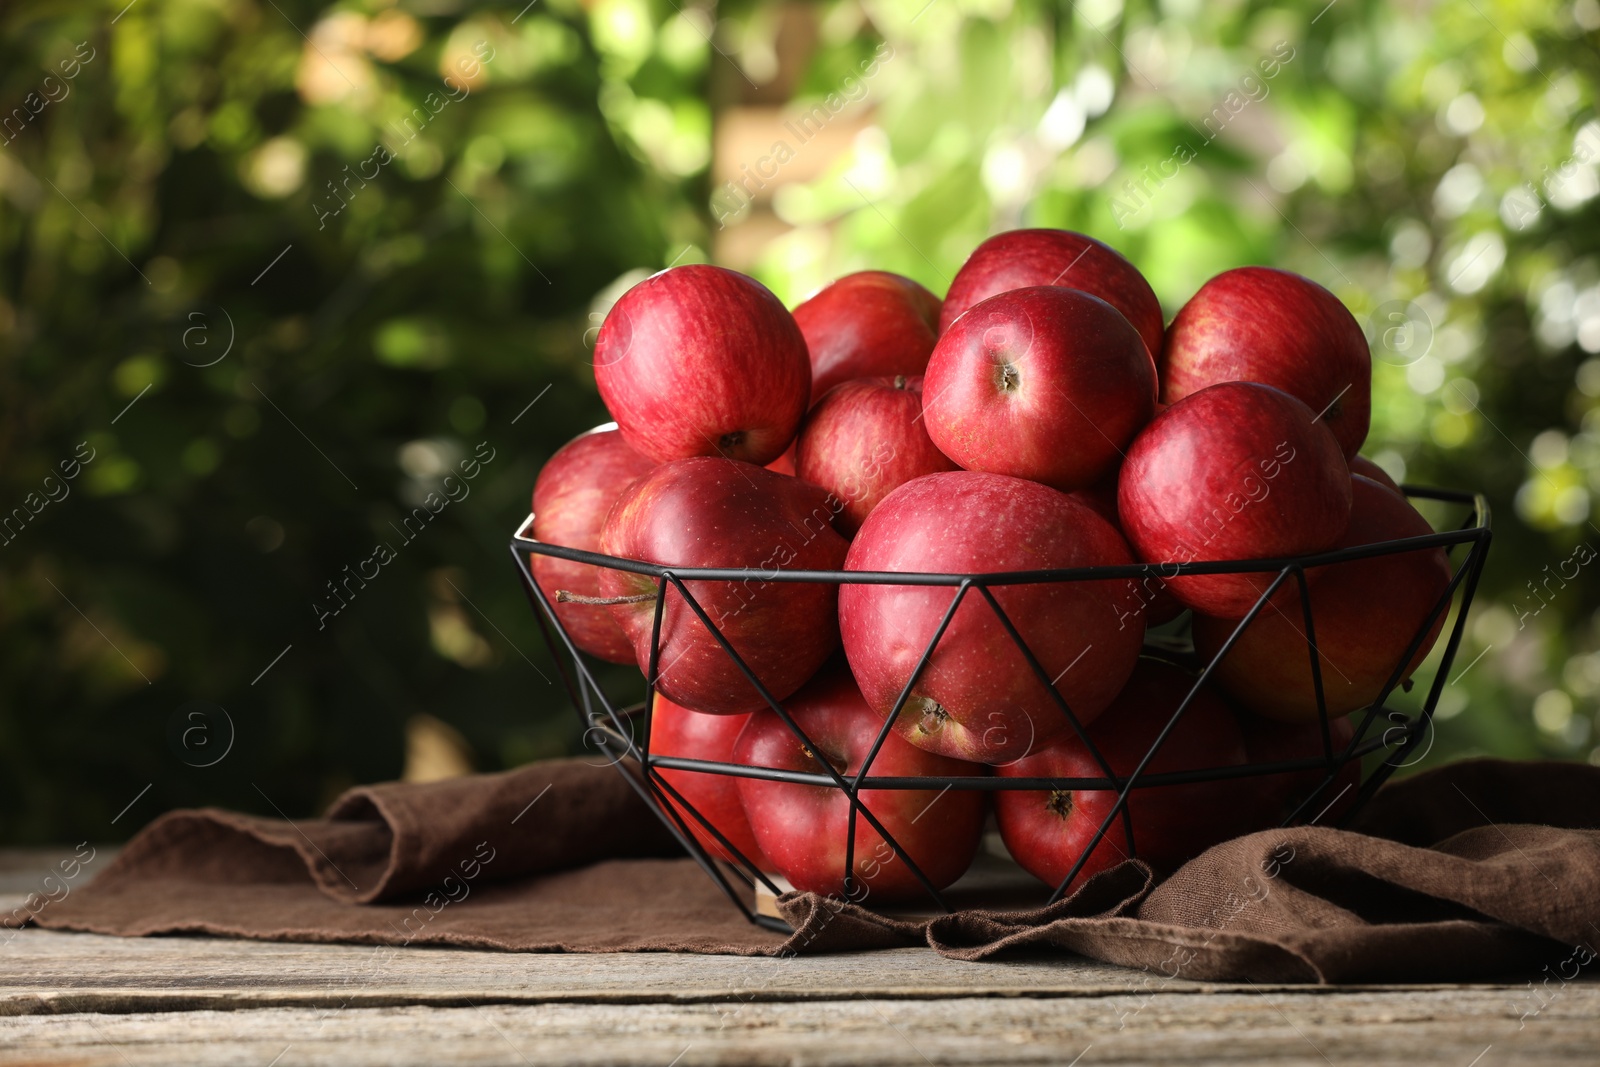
[(1043, 383), (1267, 741), (1018, 259), (802, 828), (713, 512), (1256, 324), (571, 497), (1047, 830), (864, 438), (978, 699), (703, 361), (867, 325), (1367, 469), (1234, 472), (1366, 613), (677, 731)]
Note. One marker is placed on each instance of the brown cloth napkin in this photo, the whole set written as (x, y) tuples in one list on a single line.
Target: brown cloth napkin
[(1472, 871)]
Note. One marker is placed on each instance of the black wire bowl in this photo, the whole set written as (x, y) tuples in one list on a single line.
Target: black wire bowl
[(623, 732)]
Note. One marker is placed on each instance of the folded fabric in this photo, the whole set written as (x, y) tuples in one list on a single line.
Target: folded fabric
[(555, 856), (1478, 869)]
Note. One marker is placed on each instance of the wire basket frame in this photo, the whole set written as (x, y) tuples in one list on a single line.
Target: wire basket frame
[(612, 729)]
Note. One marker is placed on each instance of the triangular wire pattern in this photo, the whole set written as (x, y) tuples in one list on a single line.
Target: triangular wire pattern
[(613, 727)]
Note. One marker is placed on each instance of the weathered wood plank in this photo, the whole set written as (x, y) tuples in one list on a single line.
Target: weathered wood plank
[(76, 998), (1452, 1027), (42, 971)]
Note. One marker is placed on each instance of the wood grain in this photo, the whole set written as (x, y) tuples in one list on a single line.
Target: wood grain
[(1457, 1028), (86, 999), (46, 972)]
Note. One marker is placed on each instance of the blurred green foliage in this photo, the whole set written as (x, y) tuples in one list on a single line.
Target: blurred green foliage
[(280, 266), (306, 354), (1437, 166)]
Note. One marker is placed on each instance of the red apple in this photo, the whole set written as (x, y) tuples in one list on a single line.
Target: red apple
[(1043, 383), (713, 512), (864, 438), (802, 828), (1235, 472), (1018, 259), (867, 325), (1256, 324), (1047, 830), (1267, 741), (571, 497), (1367, 469), (1366, 613), (978, 699), (677, 731), (702, 361)]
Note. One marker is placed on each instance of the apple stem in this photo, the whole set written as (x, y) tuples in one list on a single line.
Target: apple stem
[(564, 596)]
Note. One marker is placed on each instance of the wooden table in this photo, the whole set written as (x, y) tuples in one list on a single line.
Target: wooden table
[(85, 999)]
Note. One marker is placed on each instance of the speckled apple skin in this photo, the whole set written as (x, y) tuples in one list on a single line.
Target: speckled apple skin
[(1018, 259), (1043, 383), (1170, 823), (677, 731), (1366, 613), (712, 512), (1238, 471), (703, 361), (867, 325), (978, 699), (1259, 324), (802, 828), (863, 440), (571, 498)]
